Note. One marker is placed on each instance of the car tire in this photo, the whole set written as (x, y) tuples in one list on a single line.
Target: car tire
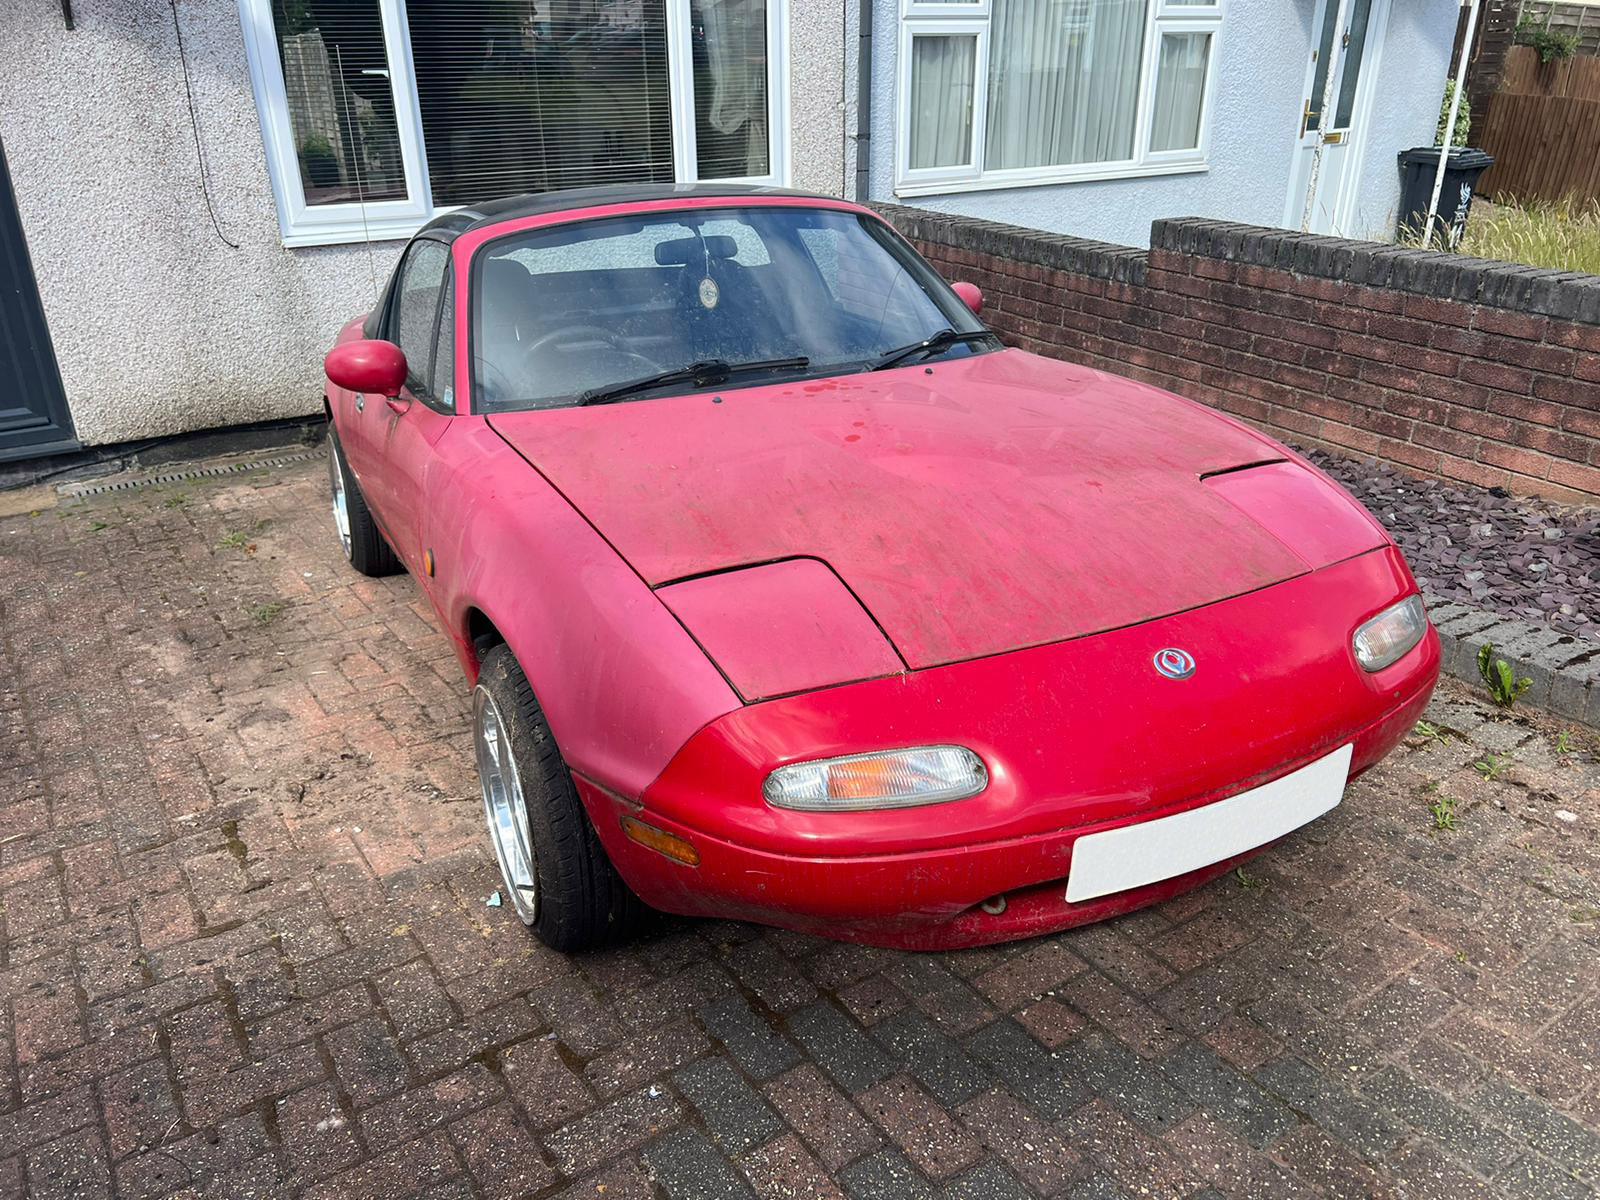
[(364, 546), (556, 876)]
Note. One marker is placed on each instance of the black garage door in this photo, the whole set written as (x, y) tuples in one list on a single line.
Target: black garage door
[(33, 407)]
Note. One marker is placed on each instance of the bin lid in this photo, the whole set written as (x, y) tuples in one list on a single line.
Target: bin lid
[(1462, 158)]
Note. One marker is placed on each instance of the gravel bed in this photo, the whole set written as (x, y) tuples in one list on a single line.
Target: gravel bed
[(1520, 557)]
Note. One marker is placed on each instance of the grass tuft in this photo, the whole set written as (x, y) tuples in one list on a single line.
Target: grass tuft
[(1540, 234)]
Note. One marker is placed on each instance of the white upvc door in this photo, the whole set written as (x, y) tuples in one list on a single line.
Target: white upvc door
[(1323, 195)]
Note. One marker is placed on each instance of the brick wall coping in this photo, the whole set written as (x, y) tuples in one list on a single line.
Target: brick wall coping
[(1565, 295), (1102, 260)]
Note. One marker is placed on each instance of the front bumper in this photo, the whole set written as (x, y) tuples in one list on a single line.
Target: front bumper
[(1079, 737)]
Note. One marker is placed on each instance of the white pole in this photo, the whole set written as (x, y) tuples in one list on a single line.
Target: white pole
[(1450, 122), (1336, 48)]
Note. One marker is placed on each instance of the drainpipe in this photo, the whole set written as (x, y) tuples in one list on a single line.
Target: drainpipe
[(1450, 123), (1330, 84), (864, 104)]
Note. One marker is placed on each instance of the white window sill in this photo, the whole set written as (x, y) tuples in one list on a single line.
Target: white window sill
[(995, 183)]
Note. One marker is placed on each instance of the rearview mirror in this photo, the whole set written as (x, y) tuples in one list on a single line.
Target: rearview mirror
[(970, 295), (367, 365)]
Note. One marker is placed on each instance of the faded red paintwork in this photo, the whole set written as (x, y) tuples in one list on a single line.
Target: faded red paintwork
[(986, 551)]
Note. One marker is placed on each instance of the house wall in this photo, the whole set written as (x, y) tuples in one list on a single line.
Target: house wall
[(1483, 372), (159, 325), (1260, 83)]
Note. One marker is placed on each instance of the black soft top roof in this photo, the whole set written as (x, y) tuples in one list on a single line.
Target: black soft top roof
[(534, 204)]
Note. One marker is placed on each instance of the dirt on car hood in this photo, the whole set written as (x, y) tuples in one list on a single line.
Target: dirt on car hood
[(994, 502)]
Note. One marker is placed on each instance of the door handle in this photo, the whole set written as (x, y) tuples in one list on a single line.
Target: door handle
[(397, 404), (361, 402)]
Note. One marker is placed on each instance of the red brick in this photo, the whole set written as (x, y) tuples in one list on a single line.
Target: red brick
[(1496, 375), (1510, 323), (916, 1123), (1514, 459)]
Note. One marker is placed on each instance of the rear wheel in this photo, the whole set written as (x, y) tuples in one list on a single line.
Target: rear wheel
[(363, 545), (557, 877)]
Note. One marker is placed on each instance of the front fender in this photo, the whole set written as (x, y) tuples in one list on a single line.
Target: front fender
[(620, 681)]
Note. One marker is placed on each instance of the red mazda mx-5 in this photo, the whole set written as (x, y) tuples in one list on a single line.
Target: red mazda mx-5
[(789, 594)]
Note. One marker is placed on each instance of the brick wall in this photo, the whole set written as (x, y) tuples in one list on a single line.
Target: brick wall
[(1458, 367)]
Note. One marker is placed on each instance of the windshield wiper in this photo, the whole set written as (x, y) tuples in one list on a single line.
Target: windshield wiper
[(939, 341), (707, 373)]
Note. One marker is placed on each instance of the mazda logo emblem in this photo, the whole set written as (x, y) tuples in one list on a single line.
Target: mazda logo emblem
[(1175, 663)]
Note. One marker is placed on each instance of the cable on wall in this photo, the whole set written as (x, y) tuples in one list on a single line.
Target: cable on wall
[(194, 124)]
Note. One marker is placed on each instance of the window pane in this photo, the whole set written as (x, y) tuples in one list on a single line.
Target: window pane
[(417, 305), (341, 106), (532, 95), (444, 349), (1063, 82), (1359, 12), (730, 87), (1350, 73), (1180, 85), (941, 100)]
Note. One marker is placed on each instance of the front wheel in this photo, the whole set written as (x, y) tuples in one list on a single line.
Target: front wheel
[(359, 538), (557, 877)]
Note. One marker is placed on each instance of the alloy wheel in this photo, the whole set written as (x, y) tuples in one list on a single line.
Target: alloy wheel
[(504, 809), (341, 503)]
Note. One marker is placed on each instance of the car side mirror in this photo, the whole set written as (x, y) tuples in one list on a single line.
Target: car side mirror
[(367, 365), (970, 295)]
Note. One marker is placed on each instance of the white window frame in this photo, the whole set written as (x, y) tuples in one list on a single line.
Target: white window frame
[(1202, 150), (909, 30), (302, 224), (942, 16)]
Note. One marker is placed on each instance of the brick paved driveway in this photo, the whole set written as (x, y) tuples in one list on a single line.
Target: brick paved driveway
[(246, 950)]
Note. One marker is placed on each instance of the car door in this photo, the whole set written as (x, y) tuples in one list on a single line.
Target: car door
[(399, 432)]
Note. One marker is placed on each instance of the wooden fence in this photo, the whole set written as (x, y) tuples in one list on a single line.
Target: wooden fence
[(1524, 75), (1582, 20), (1543, 128)]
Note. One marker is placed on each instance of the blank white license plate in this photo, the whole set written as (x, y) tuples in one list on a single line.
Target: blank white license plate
[(1134, 855)]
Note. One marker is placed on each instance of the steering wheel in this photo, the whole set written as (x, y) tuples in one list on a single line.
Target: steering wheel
[(566, 339)]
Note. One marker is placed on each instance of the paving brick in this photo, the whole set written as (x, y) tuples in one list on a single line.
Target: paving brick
[(833, 1041), (623, 1125), (916, 1123), (749, 1038), (688, 1167), (819, 1113), (318, 1136), (1029, 1145), (782, 1169), (936, 1061), (987, 1181), (548, 1090), (1113, 1072), (368, 1061), (734, 1113), (645, 1057), (1026, 1069), (1549, 1131), (886, 1173), (1227, 1095), (140, 1107), (1360, 1123), (414, 1112), (1446, 1124), (502, 1156)]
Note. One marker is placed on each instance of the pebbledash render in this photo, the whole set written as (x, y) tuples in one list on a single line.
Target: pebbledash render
[(172, 301)]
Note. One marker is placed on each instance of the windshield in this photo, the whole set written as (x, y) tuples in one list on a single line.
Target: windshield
[(570, 311)]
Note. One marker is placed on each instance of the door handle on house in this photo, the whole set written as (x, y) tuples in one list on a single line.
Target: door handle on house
[(1305, 118), (398, 404)]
